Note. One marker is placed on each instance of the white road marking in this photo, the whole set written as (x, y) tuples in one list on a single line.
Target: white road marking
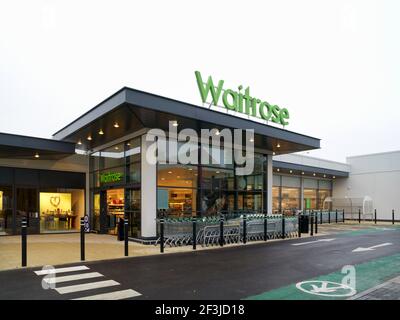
[(116, 295), (73, 277), (361, 249), (86, 286), (60, 270), (310, 242)]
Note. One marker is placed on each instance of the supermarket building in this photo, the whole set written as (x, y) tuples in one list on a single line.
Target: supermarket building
[(96, 166)]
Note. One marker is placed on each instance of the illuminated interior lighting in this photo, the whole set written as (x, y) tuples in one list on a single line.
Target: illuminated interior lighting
[(101, 132), (37, 155), (116, 125), (89, 138)]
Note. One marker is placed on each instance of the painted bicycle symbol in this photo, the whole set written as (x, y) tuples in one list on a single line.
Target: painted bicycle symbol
[(326, 288)]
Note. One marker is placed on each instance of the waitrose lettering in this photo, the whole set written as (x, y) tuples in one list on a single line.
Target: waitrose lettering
[(240, 101)]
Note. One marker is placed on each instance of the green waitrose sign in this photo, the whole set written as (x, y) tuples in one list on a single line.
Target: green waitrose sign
[(240, 101), (110, 177)]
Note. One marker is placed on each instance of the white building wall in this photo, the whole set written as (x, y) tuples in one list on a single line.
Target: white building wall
[(148, 193), (377, 176), (312, 162)]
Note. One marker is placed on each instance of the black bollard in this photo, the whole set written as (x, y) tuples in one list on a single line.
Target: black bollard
[(359, 215), (221, 230), (329, 216), (316, 225), (375, 215), (265, 227), (23, 241), (336, 216), (194, 241), (343, 216), (320, 216), (162, 234), (126, 227), (312, 224), (392, 216), (298, 225), (244, 228), (82, 239), (283, 226)]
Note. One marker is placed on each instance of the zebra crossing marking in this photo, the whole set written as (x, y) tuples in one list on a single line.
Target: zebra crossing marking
[(79, 276), (86, 286), (52, 280), (61, 270), (116, 295)]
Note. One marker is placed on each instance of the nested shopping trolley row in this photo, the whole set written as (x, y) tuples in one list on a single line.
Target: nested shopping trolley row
[(179, 231), (234, 228)]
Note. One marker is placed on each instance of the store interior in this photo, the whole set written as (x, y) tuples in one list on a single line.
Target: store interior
[(61, 211), (115, 208)]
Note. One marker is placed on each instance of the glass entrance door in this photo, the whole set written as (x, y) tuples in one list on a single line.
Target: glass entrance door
[(133, 211), (115, 208), (27, 207)]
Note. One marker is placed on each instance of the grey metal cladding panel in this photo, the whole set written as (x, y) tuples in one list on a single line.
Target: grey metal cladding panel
[(19, 141), (287, 165), (6, 176), (27, 177), (158, 103), (98, 111), (61, 179)]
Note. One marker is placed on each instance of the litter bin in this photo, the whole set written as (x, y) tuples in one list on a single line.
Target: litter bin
[(120, 230), (304, 222)]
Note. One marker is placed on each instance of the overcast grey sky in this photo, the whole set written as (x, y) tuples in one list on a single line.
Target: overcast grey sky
[(333, 64)]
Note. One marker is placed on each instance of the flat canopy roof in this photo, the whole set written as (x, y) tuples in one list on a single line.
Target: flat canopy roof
[(299, 169), (134, 110), (15, 146)]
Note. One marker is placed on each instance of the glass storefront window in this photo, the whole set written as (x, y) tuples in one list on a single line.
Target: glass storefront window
[(61, 209), (276, 199), (252, 182), (96, 212), (217, 179), (176, 202), (218, 157), (133, 150), (177, 176), (112, 157), (310, 199), (133, 209), (6, 212), (213, 201), (290, 199), (252, 201), (133, 172), (322, 195)]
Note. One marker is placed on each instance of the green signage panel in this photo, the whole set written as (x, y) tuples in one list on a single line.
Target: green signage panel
[(110, 177), (240, 101)]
